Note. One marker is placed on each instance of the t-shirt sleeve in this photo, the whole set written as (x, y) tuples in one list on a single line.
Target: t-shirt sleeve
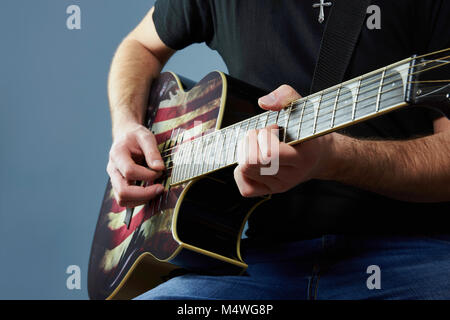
[(180, 23)]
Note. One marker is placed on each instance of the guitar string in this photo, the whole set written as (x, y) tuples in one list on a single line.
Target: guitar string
[(233, 146), (298, 103), (223, 161), (294, 122)]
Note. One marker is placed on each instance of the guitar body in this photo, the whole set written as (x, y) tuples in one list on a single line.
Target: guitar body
[(195, 225)]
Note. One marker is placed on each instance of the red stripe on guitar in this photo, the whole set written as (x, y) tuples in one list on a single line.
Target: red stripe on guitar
[(115, 208), (212, 114), (179, 110)]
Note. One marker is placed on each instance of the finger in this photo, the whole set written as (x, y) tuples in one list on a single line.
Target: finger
[(249, 187), (136, 194), (288, 155), (279, 98), (149, 146), (254, 174), (126, 193), (123, 161)]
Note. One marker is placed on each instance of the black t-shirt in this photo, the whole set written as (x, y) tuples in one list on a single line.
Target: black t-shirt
[(268, 43)]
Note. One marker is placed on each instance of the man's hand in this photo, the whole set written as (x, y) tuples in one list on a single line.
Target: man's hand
[(297, 163), (135, 146), (415, 170), (138, 60)]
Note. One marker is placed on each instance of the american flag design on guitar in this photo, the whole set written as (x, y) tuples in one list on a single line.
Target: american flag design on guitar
[(173, 114)]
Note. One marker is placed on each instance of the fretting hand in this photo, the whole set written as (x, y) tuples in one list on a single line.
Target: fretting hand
[(298, 163)]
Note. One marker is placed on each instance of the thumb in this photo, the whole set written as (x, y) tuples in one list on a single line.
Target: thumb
[(279, 98)]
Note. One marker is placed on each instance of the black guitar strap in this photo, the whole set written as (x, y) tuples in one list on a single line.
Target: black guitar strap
[(341, 33)]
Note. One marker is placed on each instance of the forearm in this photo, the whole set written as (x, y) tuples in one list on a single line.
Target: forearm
[(415, 170), (132, 71)]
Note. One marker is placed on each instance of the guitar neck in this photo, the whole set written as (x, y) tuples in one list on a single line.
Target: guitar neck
[(343, 105)]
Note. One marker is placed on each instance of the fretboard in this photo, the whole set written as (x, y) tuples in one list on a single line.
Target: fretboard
[(329, 110)]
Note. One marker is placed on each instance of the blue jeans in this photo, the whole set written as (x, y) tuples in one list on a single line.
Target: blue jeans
[(330, 267)]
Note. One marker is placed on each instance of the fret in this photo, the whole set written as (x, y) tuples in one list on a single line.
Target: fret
[(216, 135), (282, 118), (272, 117), (278, 115), (227, 146), (204, 154), (244, 134), (308, 117), (344, 106), (377, 105), (174, 168), (213, 150), (180, 163), (236, 142), (224, 131), (301, 119), (262, 120), (252, 124), (196, 144), (356, 98), (175, 162), (182, 155), (393, 88), (317, 113), (257, 121), (197, 155), (325, 112), (218, 149), (237, 129), (207, 153), (212, 145), (267, 119), (188, 158), (367, 95), (287, 122), (334, 106), (183, 152)]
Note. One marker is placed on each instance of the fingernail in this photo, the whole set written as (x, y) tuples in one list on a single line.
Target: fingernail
[(157, 163), (268, 100)]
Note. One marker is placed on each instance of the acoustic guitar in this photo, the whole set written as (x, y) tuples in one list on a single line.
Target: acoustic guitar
[(197, 223)]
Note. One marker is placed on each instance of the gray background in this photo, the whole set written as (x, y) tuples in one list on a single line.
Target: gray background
[(55, 135)]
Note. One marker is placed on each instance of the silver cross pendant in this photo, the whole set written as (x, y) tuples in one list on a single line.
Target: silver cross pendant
[(321, 5)]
